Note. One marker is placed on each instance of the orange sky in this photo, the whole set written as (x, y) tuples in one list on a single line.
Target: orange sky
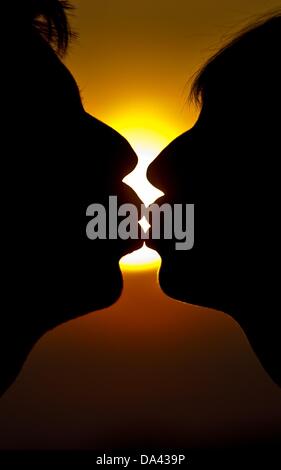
[(134, 59)]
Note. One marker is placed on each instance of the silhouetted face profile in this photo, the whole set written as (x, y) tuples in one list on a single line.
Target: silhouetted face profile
[(60, 161), (227, 165), (78, 161)]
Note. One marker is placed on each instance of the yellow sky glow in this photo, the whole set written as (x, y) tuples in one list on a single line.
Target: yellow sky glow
[(148, 134)]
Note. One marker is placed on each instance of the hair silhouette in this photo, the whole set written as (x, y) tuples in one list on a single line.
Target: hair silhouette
[(50, 21), (227, 165), (235, 64)]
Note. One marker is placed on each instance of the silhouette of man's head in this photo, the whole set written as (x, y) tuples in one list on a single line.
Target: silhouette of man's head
[(59, 161), (84, 162), (227, 165)]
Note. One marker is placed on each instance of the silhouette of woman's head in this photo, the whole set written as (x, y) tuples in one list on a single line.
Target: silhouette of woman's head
[(227, 165)]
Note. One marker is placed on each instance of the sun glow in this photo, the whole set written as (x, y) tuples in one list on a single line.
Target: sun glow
[(147, 146), (141, 260), (149, 135)]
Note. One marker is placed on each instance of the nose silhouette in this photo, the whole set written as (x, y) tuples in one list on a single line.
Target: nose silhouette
[(175, 170)]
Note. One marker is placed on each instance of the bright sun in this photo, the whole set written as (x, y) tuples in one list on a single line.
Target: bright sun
[(147, 139)]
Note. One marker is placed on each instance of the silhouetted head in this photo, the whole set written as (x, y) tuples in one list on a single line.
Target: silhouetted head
[(58, 161), (227, 165), (71, 160)]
